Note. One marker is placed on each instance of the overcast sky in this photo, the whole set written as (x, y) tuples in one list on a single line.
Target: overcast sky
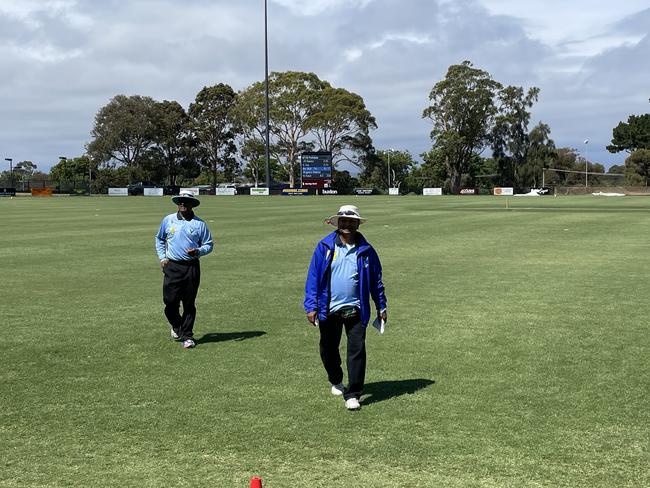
[(62, 60)]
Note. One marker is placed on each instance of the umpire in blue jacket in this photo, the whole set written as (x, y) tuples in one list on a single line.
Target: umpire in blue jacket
[(344, 273)]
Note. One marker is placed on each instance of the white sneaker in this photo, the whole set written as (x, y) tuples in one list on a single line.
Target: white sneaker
[(337, 390), (173, 334), (188, 343), (352, 404)]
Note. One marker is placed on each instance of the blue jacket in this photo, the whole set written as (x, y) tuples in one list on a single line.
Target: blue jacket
[(317, 287)]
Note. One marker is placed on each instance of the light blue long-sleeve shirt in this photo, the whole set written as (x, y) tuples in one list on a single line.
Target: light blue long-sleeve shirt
[(176, 235), (344, 281)]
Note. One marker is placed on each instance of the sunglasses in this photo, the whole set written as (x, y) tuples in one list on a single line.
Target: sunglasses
[(347, 212)]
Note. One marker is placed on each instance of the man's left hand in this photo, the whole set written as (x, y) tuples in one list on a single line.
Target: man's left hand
[(192, 251)]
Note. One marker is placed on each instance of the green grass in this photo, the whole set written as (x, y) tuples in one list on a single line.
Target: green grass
[(516, 352)]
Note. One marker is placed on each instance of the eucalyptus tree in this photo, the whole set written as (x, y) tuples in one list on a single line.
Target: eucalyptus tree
[(215, 129), (339, 121), (306, 113), (462, 110), (509, 137), (123, 131), (292, 102), (173, 142), (541, 154)]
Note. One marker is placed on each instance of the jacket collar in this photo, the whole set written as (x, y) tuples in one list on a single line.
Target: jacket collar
[(330, 241)]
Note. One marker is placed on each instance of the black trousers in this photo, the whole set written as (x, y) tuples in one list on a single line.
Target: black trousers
[(180, 286), (330, 338)]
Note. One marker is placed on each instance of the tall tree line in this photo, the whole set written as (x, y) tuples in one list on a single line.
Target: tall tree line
[(480, 137)]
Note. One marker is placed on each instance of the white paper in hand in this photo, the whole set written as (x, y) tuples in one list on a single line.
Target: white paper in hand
[(379, 324)]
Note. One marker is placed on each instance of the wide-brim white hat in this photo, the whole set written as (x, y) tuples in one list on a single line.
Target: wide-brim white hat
[(348, 212), (186, 196)]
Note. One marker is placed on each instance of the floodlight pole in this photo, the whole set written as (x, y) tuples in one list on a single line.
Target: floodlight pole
[(11, 171), (389, 150), (266, 96), (586, 163)]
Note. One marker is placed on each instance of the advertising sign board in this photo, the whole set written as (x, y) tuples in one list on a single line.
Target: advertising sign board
[(503, 191)]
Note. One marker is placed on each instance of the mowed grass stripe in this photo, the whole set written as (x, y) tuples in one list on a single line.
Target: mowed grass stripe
[(515, 353)]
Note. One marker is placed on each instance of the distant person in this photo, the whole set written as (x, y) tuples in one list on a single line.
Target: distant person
[(181, 240), (344, 273)]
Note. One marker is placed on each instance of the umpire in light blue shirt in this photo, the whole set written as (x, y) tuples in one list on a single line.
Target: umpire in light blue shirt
[(181, 240), (345, 272)]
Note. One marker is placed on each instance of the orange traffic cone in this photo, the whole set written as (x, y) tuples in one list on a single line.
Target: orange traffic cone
[(256, 482)]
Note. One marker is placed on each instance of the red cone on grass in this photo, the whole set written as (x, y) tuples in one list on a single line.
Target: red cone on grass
[(256, 482)]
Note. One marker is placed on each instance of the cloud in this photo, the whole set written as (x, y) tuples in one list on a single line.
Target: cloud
[(63, 60)]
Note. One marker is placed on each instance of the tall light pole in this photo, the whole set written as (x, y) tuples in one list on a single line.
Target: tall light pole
[(63, 159), (11, 171), (266, 96), (389, 150), (586, 163)]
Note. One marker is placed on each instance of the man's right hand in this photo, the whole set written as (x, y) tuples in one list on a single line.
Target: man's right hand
[(312, 317), (164, 263)]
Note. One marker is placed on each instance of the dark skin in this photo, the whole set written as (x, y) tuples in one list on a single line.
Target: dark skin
[(185, 209), (348, 229)]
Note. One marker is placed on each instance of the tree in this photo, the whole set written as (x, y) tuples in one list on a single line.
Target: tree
[(339, 121), (566, 160), (123, 131), (434, 170), (253, 152), (637, 167), (462, 109), (293, 101), (541, 154), (67, 172), (173, 142), (630, 136), (24, 170), (215, 128), (509, 138), (343, 182)]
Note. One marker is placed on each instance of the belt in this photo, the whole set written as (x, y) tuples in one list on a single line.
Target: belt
[(184, 263)]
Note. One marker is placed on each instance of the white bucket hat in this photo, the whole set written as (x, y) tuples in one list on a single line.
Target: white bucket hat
[(188, 196), (347, 211)]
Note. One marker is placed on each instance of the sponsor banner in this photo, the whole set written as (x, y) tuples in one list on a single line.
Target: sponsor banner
[(468, 191), (504, 191), (42, 192), (259, 191), (118, 192), (226, 191), (393, 191), (432, 191), (363, 191), (153, 192), (329, 192), (7, 192), (193, 191), (288, 192)]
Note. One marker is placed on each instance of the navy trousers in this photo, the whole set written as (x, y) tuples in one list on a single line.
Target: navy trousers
[(180, 287), (330, 338)]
